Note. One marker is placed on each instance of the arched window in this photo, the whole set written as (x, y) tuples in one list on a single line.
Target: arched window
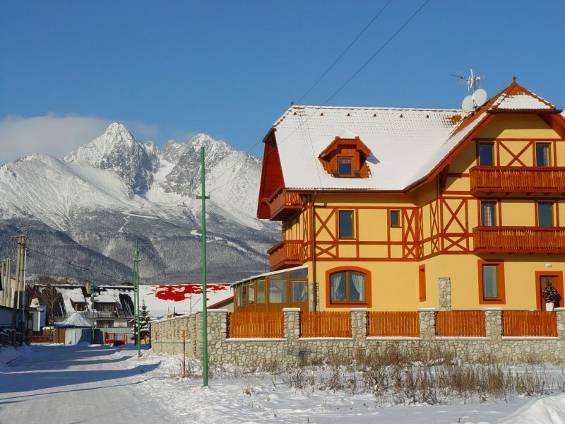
[(348, 286)]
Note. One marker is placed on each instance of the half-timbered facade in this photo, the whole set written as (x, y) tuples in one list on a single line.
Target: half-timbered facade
[(397, 208)]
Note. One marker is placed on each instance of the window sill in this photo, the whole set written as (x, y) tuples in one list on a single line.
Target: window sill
[(347, 305), (492, 302)]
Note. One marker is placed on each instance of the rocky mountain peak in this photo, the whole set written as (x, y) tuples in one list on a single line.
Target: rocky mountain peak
[(117, 131), (118, 150)]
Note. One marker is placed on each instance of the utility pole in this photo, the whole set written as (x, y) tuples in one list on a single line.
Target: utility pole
[(136, 261), (203, 269), (20, 279)]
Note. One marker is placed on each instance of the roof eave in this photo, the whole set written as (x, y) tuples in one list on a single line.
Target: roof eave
[(540, 111)]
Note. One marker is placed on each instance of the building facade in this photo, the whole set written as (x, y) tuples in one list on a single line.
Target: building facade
[(398, 209)]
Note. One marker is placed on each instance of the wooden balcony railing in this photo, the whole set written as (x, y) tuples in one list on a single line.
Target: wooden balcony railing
[(286, 254), (546, 240), (510, 180), (284, 204)]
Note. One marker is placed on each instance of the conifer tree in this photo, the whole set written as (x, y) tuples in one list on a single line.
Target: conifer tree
[(144, 322)]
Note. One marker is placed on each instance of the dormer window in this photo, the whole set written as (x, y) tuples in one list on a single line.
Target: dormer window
[(344, 166), (346, 158)]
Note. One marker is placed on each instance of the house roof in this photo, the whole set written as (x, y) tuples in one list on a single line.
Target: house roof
[(267, 274), (76, 320), (111, 294), (406, 143), (516, 97), (70, 295)]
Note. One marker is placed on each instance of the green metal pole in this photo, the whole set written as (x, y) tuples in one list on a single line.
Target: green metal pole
[(203, 271)]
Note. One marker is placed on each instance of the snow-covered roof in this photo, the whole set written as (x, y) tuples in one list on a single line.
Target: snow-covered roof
[(395, 137), (76, 319), (111, 295), (517, 97), (521, 101), (406, 143), (71, 295)]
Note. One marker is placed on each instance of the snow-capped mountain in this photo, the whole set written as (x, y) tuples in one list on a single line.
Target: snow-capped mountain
[(118, 151), (92, 205)]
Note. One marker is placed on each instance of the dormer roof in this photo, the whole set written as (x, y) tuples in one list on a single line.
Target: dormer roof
[(338, 141)]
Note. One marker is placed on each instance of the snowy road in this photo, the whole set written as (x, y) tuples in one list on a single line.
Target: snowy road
[(93, 384), (79, 384)]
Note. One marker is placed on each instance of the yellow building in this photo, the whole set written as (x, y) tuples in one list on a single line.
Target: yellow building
[(399, 208)]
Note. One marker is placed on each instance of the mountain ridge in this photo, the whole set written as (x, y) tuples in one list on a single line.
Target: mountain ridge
[(115, 189)]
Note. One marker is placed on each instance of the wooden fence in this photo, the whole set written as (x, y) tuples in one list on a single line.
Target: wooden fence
[(383, 324), (268, 324), (460, 323), (325, 324), (529, 323)]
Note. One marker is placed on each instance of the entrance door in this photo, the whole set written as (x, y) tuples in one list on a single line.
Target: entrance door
[(543, 279)]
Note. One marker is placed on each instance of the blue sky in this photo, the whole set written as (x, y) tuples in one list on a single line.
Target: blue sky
[(230, 68)]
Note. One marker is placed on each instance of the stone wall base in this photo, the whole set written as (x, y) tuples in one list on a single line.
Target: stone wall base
[(166, 337)]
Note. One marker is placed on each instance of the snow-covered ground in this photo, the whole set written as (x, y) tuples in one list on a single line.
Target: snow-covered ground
[(94, 384), (78, 384)]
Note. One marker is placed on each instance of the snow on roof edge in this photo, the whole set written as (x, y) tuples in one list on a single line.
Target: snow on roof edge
[(266, 274)]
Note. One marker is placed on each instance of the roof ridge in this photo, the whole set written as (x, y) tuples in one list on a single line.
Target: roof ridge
[(375, 108)]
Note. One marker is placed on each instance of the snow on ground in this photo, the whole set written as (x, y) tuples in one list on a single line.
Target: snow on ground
[(78, 384), (96, 384), (8, 354), (256, 398), (549, 409)]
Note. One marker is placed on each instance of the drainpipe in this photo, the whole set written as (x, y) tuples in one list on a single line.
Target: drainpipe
[(313, 255)]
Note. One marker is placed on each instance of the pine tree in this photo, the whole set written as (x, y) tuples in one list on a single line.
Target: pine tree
[(144, 322)]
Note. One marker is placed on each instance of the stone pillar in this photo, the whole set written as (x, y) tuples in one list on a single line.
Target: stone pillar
[(359, 325), (217, 324), (155, 345), (444, 290), (291, 318), (560, 322), (217, 332), (493, 323), (291, 324), (427, 323)]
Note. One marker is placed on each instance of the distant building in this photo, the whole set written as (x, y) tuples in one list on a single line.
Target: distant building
[(109, 308)]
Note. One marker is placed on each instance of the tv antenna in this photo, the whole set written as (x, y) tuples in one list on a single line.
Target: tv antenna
[(477, 96)]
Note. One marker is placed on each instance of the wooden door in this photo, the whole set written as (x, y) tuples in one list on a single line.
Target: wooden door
[(544, 278)]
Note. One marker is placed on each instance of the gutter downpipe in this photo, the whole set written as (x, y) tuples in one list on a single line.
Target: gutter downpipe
[(313, 253)]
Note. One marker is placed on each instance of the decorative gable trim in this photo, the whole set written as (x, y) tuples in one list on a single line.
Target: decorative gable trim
[(271, 175)]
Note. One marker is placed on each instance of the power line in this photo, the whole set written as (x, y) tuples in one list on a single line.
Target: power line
[(344, 51), (380, 49)]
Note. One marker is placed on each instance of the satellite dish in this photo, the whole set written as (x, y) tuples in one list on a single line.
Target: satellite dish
[(468, 104), (479, 97)]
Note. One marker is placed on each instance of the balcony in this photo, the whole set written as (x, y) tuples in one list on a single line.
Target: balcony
[(286, 254), (284, 204), (486, 180), (527, 240)]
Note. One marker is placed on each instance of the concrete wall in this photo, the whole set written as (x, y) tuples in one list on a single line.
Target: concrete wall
[(167, 337)]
